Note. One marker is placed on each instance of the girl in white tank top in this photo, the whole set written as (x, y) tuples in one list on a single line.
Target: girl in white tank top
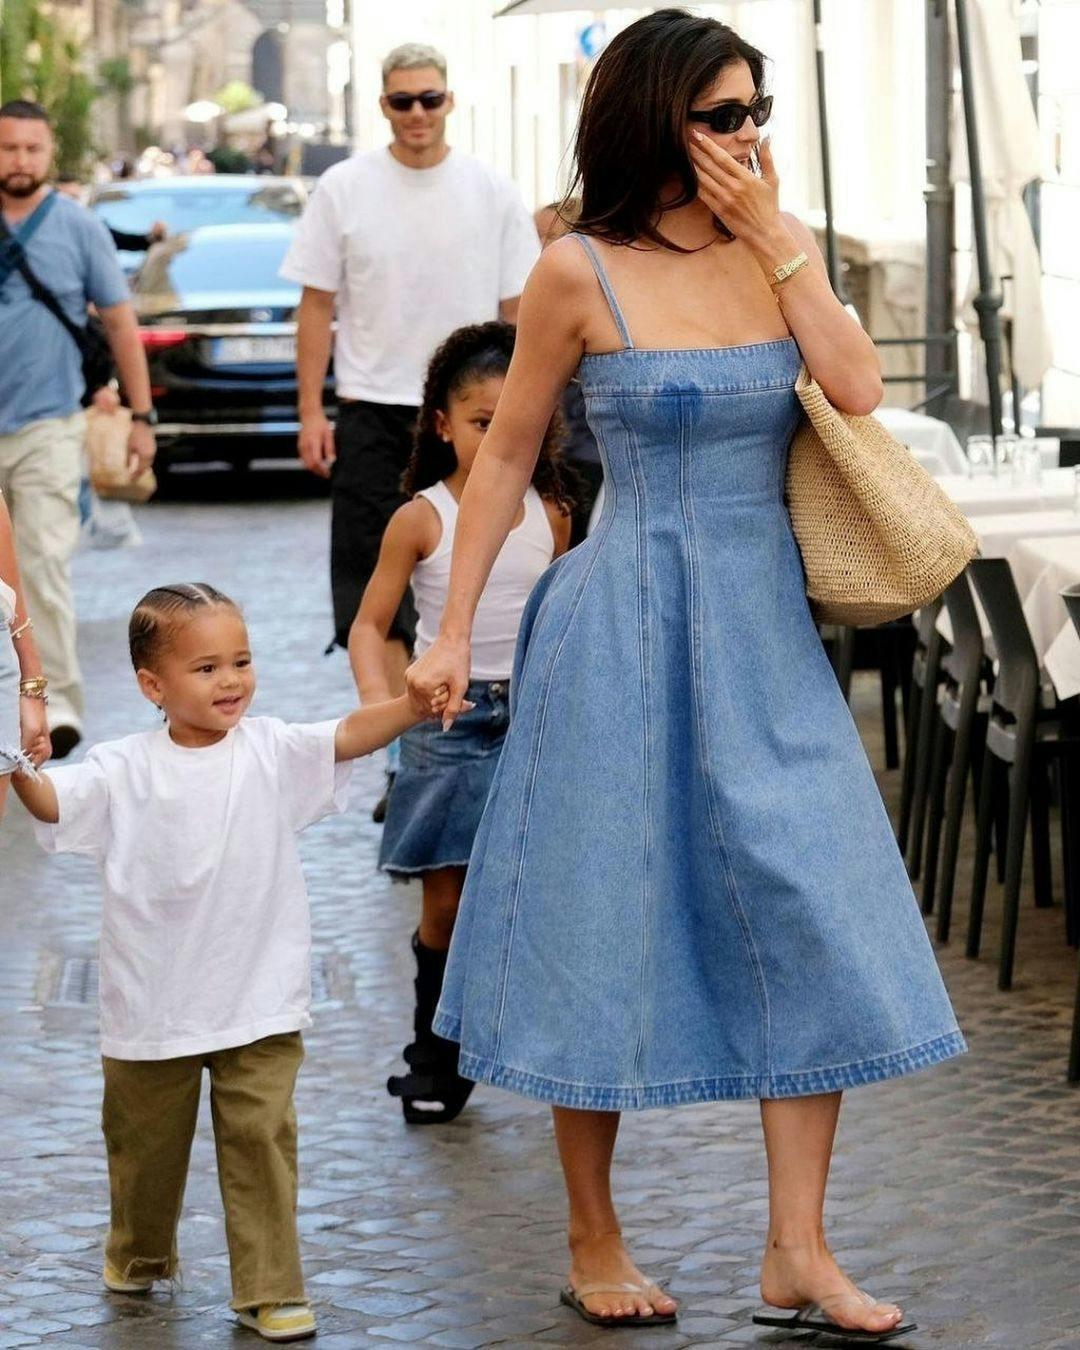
[(441, 785)]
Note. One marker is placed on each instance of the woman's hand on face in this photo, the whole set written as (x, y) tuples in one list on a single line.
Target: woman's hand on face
[(438, 680), (34, 730), (748, 205)]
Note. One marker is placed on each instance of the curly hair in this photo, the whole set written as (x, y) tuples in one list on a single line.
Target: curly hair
[(161, 611), (477, 352)]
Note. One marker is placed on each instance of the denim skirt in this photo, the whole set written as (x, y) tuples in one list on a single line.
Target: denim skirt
[(11, 757), (442, 783)]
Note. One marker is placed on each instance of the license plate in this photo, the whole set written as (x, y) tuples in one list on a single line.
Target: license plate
[(251, 351)]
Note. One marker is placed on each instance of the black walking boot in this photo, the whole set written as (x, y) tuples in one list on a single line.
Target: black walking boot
[(433, 1076)]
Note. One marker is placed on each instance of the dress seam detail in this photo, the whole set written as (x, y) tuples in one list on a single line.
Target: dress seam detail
[(634, 460), (526, 803), (686, 501)]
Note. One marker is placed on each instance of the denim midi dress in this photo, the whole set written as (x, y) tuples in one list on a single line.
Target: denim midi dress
[(684, 886)]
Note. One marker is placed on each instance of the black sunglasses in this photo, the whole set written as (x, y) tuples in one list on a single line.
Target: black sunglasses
[(727, 118), (429, 100)]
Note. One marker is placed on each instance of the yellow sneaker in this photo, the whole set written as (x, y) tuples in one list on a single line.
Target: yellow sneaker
[(115, 1282), (284, 1322)]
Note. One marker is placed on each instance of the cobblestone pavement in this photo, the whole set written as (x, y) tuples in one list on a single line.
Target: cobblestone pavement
[(955, 1191)]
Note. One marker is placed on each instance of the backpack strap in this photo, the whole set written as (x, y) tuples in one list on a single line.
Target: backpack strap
[(44, 296), (12, 244)]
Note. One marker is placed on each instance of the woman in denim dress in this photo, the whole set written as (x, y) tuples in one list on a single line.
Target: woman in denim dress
[(684, 887), (24, 732)]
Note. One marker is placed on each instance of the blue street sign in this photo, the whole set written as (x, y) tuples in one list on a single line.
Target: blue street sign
[(593, 39)]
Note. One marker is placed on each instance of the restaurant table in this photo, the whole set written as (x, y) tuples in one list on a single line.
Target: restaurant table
[(932, 441), (999, 535), (1042, 568), (987, 495), (1043, 551)]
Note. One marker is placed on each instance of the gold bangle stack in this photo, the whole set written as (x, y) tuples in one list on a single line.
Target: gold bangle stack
[(34, 687)]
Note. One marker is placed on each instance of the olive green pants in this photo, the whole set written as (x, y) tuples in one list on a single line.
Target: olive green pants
[(148, 1117)]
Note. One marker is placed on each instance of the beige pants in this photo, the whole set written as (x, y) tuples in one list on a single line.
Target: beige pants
[(148, 1117), (40, 467)]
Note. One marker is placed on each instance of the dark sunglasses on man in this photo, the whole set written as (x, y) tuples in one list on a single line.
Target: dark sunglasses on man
[(727, 118), (429, 100)]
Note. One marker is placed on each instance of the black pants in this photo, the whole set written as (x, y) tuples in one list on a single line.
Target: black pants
[(374, 441)]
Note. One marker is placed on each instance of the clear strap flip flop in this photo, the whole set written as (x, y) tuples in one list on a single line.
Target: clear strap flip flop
[(574, 1298), (815, 1317)]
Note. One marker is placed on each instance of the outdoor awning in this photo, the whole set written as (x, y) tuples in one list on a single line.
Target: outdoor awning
[(1011, 157)]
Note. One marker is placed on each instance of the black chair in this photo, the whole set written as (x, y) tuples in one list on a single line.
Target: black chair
[(1069, 439), (1022, 737), (886, 649), (958, 749), (1070, 825), (918, 734)]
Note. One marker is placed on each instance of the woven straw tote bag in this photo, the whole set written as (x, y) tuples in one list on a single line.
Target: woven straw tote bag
[(879, 538)]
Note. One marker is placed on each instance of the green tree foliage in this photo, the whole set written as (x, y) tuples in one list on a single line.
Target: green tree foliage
[(17, 22), (115, 74), (39, 61), (237, 96)]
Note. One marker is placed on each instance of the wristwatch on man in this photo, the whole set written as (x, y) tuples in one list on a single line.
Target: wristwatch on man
[(150, 418)]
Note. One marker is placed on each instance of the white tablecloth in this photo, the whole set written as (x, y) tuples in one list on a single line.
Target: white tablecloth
[(933, 442), (999, 535), (986, 495), (1043, 568), (1043, 550)]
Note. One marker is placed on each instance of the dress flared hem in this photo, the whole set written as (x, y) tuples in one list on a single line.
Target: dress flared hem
[(735, 1087)]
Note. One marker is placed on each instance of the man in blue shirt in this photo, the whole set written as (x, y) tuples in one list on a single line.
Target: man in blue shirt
[(41, 389)]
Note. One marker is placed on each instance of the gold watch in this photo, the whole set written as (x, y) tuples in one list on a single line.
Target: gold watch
[(789, 268)]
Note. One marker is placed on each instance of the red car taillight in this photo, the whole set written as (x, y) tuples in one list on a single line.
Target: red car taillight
[(157, 339)]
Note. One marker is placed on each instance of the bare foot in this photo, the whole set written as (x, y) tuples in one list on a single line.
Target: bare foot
[(602, 1260), (796, 1276)]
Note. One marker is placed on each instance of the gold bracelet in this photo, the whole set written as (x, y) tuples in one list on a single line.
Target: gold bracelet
[(24, 627), (789, 269), (33, 687)]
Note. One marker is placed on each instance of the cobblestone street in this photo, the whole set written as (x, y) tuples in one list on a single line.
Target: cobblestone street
[(956, 1192)]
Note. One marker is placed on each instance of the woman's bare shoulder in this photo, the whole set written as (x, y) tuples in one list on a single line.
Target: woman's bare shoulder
[(563, 266)]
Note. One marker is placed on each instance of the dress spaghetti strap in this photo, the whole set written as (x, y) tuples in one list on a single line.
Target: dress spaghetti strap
[(602, 277)]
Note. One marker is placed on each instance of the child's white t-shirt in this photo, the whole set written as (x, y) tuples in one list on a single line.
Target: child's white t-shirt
[(205, 936)]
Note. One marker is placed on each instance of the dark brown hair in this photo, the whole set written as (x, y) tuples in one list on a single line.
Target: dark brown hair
[(25, 111), (160, 612), (631, 137), (477, 352)]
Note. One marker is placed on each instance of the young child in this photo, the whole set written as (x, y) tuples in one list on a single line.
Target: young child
[(205, 943), (442, 782)]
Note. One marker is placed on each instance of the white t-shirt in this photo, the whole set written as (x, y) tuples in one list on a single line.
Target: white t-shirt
[(412, 254), (205, 934)]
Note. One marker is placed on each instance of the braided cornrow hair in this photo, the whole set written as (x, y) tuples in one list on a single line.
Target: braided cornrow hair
[(160, 611), (477, 352)]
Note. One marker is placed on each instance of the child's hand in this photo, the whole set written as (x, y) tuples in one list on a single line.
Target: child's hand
[(441, 698)]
